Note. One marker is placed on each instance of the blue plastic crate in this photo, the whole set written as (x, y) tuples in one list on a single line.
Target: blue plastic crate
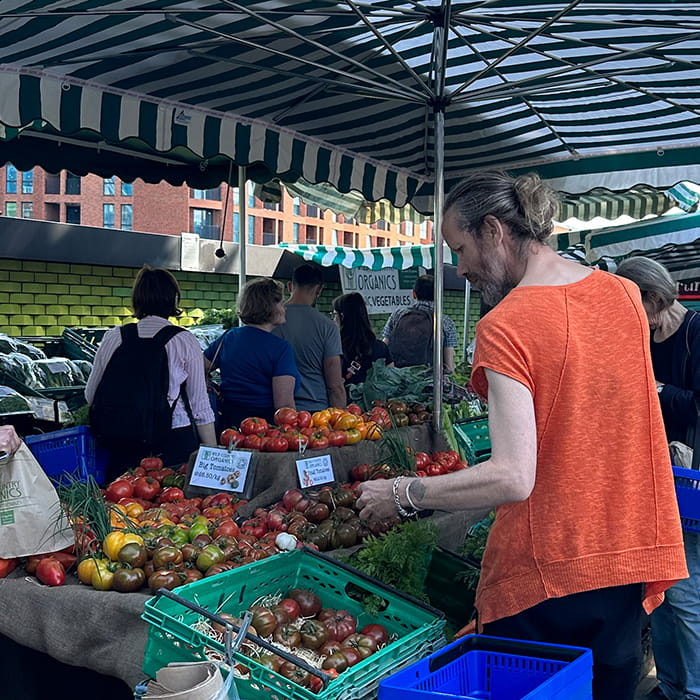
[(688, 494), (480, 667), (71, 451)]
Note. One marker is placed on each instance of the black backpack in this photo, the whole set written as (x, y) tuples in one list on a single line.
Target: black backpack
[(411, 341), (130, 410)]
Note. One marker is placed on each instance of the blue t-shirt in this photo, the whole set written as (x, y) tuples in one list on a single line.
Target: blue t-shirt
[(249, 358)]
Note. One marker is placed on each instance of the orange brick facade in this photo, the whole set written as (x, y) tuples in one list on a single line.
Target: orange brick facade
[(163, 208)]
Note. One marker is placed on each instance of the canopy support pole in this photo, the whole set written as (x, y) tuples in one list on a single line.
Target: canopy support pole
[(243, 228), (467, 294), (439, 105)]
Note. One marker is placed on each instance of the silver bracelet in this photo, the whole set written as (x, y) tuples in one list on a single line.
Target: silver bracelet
[(408, 496), (395, 490)]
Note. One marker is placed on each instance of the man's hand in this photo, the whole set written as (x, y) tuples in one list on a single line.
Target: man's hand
[(376, 500), (9, 440)]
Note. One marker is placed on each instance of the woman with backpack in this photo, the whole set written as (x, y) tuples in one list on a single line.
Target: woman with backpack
[(258, 370), (147, 393), (360, 345)]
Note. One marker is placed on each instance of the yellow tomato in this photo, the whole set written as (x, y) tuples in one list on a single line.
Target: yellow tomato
[(374, 432), (102, 576), (133, 510), (116, 539), (86, 568), (354, 435), (345, 421), (321, 419)]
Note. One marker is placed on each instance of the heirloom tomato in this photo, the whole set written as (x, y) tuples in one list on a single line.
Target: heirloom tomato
[(254, 426), (128, 580), (119, 488), (313, 634), (339, 623), (285, 416)]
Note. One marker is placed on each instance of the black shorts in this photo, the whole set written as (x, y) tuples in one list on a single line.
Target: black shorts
[(608, 621)]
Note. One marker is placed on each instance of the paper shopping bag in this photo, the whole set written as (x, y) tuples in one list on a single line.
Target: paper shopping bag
[(31, 518)]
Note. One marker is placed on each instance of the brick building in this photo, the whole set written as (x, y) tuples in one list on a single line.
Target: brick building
[(163, 208)]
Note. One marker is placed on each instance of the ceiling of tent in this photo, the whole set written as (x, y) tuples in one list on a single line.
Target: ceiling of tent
[(589, 94)]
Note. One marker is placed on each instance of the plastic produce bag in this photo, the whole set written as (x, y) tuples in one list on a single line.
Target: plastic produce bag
[(58, 372), (206, 335), (13, 402), (30, 350)]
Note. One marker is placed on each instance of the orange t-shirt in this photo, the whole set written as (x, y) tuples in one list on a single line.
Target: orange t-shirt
[(603, 510)]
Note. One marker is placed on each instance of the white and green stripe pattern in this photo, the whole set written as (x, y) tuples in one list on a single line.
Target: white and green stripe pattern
[(588, 94), (399, 257)]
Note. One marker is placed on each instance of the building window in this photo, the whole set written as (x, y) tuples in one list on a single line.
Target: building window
[(28, 182), (127, 217), (27, 210), (268, 232), (52, 184), (53, 211), (10, 208), (251, 195), (203, 223), (311, 210), (251, 228), (297, 206), (236, 227), (108, 215), (72, 184), (212, 195), (368, 241), (334, 237), (424, 229), (381, 241), (11, 179), (381, 224), (108, 187), (408, 228), (127, 189), (270, 206), (311, 234), (295, 233), (347, 239), (72, 214)]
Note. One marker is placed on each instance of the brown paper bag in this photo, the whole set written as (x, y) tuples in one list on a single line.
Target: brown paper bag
[(31, 518)]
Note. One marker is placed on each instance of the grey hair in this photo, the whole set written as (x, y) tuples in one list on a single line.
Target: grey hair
[(652, 278), (525, 203)]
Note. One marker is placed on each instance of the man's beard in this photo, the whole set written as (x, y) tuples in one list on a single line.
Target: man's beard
[(494, 282)]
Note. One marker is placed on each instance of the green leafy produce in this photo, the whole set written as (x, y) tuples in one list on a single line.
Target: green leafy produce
[(226, 317), (410, 384), (399, 558), (12, 402), (474, 546), (80, 416)]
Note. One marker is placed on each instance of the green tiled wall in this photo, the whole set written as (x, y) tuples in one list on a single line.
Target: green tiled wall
[(43, 298)]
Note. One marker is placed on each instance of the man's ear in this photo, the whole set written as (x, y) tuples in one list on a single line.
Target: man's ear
[(289, 287), (493, 229)]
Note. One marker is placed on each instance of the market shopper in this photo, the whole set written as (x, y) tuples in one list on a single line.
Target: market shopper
[(154, 299), (258, 371), (587, 525), (316, 343), (361, 347), (675, 356), (409, 331), (9, 440)]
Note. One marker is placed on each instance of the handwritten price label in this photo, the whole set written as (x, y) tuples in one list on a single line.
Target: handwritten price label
[(221, 469), (315, 470)]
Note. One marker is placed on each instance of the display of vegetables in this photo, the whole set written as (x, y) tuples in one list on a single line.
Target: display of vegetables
[(296, 622)]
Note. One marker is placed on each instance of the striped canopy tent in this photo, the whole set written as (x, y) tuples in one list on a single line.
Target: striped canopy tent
[(672, 240), (394, 99), (399, 257)]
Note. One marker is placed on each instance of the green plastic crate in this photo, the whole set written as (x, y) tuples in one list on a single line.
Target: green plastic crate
[(417, 626), (473, 437), (446, 588)]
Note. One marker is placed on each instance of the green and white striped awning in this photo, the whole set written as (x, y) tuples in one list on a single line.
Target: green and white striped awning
[(588, 94), (399, 257)]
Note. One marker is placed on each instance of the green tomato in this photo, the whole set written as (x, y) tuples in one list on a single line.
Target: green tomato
[(198, 528), (210, 555)]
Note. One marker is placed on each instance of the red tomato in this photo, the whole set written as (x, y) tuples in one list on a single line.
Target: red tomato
[(318, 441), (253, 442), (120, 488), (171, 494), (422, 460), (50, 571), (354, 409), (304, 419), (254, 426), (285, 416), (146, 487), (376, 632), (149, 463), (255, 527), (458, 466), (230, 437), (337, 438), (290, 606), (434, 469), (277, 444)]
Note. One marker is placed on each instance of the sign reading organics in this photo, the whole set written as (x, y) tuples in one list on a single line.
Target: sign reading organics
[(315, 471), (384, 291), (221, 469)]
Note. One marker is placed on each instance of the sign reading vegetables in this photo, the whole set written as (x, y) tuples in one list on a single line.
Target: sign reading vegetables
[(384, 290)]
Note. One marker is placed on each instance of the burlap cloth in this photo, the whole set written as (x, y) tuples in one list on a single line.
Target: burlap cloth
[(103, 630)]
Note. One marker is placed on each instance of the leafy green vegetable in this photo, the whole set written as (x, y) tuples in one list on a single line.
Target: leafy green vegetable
[(399, 558), (410, 384), (474, 546), (226, 317)]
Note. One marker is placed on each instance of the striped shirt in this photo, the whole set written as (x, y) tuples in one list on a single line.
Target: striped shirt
[(185, 363)]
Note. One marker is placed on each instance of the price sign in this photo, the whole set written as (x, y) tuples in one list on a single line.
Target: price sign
[(314, 471), (221, 469)]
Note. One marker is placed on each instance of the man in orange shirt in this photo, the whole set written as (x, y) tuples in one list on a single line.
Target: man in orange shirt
[(587, 533)]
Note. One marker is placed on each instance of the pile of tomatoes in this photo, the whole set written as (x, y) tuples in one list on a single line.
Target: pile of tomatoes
[(294, 430), (299, 621), (426, 464)]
